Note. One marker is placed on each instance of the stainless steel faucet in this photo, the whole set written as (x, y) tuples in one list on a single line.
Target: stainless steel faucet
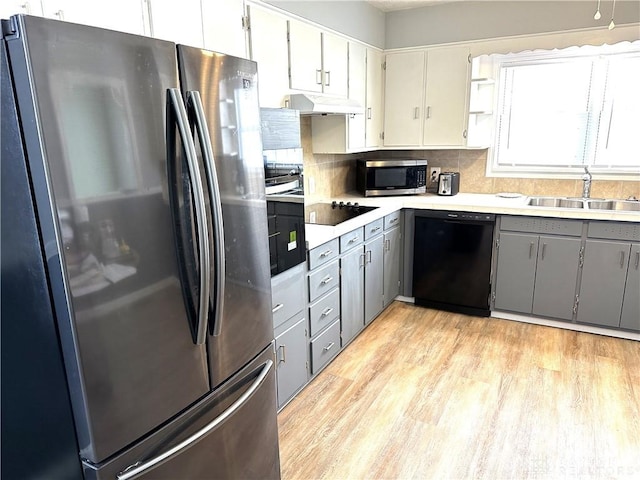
[(586, 183)]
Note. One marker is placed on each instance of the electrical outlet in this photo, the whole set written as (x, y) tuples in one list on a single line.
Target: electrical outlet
[(434, 174)]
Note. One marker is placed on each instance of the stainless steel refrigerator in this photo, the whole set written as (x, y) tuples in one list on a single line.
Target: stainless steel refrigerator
[(144, 162)]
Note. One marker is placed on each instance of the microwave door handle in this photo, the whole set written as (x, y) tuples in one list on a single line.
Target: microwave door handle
[(194, 102), (177, 117)]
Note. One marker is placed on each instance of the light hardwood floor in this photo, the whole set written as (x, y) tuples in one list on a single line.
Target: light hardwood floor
[(434, 395)]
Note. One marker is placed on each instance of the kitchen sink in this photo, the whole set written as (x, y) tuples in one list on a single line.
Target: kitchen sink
[(558, 202), (624, 205)]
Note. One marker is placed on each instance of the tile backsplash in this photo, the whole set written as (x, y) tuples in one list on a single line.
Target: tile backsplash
[(334, 175)]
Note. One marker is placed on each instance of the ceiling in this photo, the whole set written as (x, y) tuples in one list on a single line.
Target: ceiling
[(393, 5)]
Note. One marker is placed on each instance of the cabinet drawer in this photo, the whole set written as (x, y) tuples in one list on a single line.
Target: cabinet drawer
[(325, 347), (392, 220), (614, 231), (287, 294), (541, 225), (374, 228), (324, 311), (323, 280), (323, 254), (351, 239)]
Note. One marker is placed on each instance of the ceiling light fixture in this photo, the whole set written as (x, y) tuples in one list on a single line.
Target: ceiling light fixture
[(612, 25)]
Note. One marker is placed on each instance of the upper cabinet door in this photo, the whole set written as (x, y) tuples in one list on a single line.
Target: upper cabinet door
[(373, 104), (357, 91), (335, 65), (222, 25), (179, 22), (268, 46), (446, 96), (14, 7), (122, 15), (404, 99), (305, 57)]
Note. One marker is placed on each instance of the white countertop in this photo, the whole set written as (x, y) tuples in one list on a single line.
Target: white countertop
[(470, 202)]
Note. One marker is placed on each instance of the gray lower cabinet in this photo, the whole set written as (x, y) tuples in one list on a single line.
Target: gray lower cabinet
[(373, 278), (291, 358), (516, 272), (352, 293), (630, 318), (392, 264), (291, 331), (610, 280), (556, 277), (538, 274), (324, 303)]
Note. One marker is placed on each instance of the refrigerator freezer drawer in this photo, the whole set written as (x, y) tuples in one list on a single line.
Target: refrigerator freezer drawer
[(218, 438)]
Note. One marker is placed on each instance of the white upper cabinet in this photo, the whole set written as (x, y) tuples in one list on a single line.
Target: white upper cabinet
[(318, 61), (305, 57), (426, 98), (447, 97), (404, 99), (122, 15), (373, 103), (335, 65), (357, 92), (354, 133), (268, 47), (222, 25), (179, 22), (14, 7)]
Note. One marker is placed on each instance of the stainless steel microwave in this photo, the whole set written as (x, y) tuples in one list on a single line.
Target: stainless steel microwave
[(391, 177)]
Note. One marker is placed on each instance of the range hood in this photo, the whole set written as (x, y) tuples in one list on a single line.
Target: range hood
[(323, 105)]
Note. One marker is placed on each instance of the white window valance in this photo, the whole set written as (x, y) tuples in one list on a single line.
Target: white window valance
[(550, 41)]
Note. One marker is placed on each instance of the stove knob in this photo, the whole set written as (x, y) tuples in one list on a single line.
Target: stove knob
[(341, 204), (348, 204), (356, 205), (334, 204)]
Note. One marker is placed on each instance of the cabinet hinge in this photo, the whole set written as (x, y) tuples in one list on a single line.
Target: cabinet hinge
[(575, 305), (493, 296), (581, 257), (306, 365), (288, 37), (382, 135), (246, 25), (469, 58), (497, 243), (384, 65)]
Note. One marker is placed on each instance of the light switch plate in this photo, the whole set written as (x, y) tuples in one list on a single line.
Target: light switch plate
[(434, 174)]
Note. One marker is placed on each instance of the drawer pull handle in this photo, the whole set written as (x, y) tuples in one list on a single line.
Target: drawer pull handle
[(326, 280), (329, 347), (375, 229), (621, 259), (393, 220), (544, 248), (326, 312), (277, 307), (354, 239), (283, 349), (637, 260), (531, 249), (326, 253), (387, 245)]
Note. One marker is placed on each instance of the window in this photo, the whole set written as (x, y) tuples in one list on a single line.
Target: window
[(559, 111)]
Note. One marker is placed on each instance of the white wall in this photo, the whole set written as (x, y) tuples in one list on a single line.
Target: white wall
[(356, 19), (476, 20)]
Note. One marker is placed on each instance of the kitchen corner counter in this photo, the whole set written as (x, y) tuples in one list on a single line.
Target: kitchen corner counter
[(468, 202)]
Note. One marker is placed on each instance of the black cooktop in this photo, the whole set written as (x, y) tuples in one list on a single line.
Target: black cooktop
[(333, 213)]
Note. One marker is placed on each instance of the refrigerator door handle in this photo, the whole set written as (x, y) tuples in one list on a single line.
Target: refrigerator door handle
[(194, 104), (179, 118), (138, 468)]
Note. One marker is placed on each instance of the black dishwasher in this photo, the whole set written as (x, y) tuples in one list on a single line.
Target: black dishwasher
[(452, 260)]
